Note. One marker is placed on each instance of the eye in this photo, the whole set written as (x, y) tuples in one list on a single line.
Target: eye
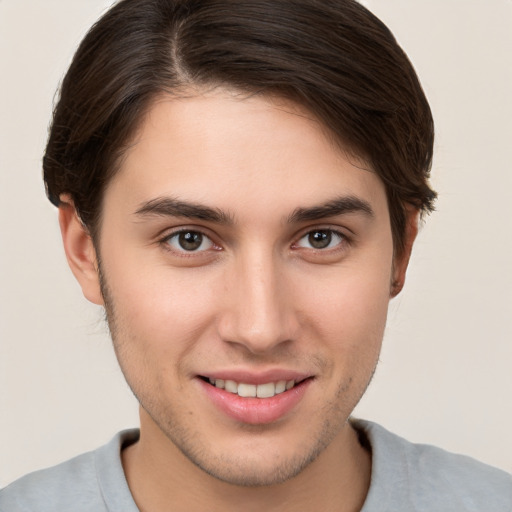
[(189, 241), (321, 239)]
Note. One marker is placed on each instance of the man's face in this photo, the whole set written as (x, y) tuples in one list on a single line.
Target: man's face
[(238, 244)]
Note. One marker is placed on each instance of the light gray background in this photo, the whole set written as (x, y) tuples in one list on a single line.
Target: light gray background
[(445, 375)]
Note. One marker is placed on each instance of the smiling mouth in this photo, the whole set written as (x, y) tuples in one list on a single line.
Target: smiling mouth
[(244, 390)]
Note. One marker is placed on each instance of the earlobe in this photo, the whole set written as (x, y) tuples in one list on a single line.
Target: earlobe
[(80, 251), (401, 262)]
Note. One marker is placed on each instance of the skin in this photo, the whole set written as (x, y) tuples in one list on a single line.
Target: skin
[(255, 296)]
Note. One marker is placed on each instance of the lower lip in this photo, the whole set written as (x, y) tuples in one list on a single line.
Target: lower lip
[(256, 411)]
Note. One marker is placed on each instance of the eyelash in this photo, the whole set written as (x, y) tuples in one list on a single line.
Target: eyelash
[(165, 241), (342, 239)]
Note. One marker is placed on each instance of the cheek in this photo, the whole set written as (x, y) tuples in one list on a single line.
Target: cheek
[(158, 319), (157, 308), (350, 309)]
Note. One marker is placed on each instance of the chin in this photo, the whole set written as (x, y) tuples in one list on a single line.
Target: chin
[(254, 472), (264, 461)]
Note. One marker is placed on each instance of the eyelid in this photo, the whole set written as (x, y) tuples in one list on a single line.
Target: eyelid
[(342, 232), (334, 234), (167, 235)]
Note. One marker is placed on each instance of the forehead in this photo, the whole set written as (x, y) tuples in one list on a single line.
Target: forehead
[(232, 149)]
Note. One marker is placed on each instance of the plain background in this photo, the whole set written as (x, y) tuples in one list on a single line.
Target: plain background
[(445, 375)]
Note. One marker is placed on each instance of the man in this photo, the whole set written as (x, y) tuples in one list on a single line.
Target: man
[(239, 184)]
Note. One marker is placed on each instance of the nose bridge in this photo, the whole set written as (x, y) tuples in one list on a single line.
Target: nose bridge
[(259, 312)]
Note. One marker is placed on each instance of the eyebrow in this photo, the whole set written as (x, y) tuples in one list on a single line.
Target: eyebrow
[(171, 207), (333, 208)]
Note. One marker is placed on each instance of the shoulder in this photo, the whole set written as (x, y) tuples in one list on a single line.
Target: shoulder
[(429, 478), (77, 484), (53, 488)]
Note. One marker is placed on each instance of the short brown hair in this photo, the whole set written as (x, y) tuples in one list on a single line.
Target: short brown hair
[(333, 57)]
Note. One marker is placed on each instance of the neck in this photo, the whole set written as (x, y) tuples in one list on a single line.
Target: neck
[(161, 478)]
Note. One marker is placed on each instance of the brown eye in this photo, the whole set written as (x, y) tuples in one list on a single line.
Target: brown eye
[(321, 239), (189, 241)]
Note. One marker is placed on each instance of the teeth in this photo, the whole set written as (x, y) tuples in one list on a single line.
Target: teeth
[(280, 386), (231, 386), (247, 390), (264, 390), (267, 390)]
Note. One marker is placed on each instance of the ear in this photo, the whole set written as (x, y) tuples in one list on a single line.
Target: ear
[(401, 262), (80, 251)]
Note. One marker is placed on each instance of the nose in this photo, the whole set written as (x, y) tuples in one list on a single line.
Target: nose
[(258, 312)]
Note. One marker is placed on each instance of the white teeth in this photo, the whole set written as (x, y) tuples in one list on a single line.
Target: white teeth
[(280, 386), (231, 386), (264, 390), (246, 390), (267, 390)]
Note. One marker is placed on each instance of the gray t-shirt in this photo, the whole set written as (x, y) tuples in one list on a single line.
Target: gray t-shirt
[(405, 477)]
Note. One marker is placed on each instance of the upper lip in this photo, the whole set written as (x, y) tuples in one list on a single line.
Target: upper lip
[(252, 377)]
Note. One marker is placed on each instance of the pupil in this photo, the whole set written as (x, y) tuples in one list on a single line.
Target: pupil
[(190, 240), (320, 239)]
